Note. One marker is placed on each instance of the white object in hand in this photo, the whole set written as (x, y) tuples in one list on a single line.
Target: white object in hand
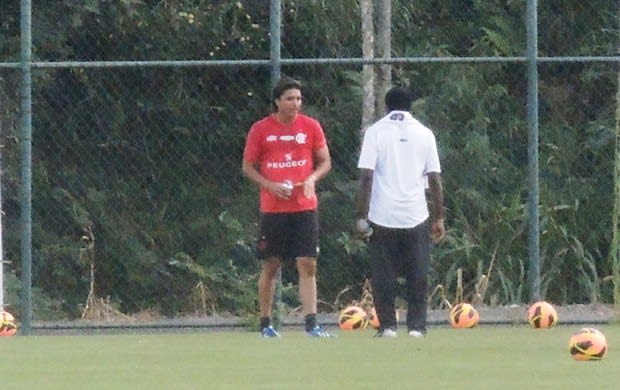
[(362, 225), (288, 186)]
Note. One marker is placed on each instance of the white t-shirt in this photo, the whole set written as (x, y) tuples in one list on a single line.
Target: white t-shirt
[(401, 152)]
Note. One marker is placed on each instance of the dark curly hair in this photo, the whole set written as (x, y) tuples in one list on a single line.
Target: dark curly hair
[(399, 98), (284, 84)]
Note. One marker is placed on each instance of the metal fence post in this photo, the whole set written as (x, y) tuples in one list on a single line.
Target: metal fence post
[(26, 194), (275, 18), (532, 121)]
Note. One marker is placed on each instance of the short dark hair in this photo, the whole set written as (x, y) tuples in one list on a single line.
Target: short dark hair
[(399, 98), (283, 84)]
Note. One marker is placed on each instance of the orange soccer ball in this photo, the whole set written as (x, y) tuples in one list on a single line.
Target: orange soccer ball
[(7, 324), (373, 319), (542, 314), (464, 315), (353, 318), (587, 344)]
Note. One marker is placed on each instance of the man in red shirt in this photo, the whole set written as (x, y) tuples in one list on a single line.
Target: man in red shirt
[(286, 153)]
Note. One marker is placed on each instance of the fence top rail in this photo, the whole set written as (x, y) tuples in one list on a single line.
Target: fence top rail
[(301, 61)]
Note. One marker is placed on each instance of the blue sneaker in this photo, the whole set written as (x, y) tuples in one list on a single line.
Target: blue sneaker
[(269, 333), (317, 331)]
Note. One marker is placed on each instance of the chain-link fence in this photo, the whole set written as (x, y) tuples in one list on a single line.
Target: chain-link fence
[(139, 205)]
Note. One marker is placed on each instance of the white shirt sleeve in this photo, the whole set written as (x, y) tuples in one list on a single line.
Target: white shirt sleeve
[(432, 161), (368, 153)]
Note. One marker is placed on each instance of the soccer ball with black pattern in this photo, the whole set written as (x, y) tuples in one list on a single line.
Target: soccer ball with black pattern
[(373, 319), (353, 318), (7, 324), (464, 315), (587, 344), (542, 315)]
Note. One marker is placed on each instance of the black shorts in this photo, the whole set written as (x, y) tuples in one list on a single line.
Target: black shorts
[(288, 235)]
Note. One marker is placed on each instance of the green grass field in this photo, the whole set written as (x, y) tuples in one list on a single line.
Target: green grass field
[(486, 357)]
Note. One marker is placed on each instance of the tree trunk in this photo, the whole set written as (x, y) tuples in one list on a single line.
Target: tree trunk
[(615, 257), (368, 76), (384, 51), (615, 241)]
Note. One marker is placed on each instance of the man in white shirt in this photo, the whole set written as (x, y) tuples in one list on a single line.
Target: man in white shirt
[(398, 162)]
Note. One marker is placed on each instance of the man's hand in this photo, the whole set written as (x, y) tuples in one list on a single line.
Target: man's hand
[(309, 186), (362, 229), (438, 231), (280, 190)]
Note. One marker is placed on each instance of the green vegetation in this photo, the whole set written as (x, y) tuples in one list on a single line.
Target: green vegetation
[(486, 357), (136, 170)]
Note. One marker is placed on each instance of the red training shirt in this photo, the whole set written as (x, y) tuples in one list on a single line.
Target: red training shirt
[(284, 152)]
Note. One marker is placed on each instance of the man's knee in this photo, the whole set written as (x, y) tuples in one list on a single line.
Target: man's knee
[(306, 266), (269, 267)]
